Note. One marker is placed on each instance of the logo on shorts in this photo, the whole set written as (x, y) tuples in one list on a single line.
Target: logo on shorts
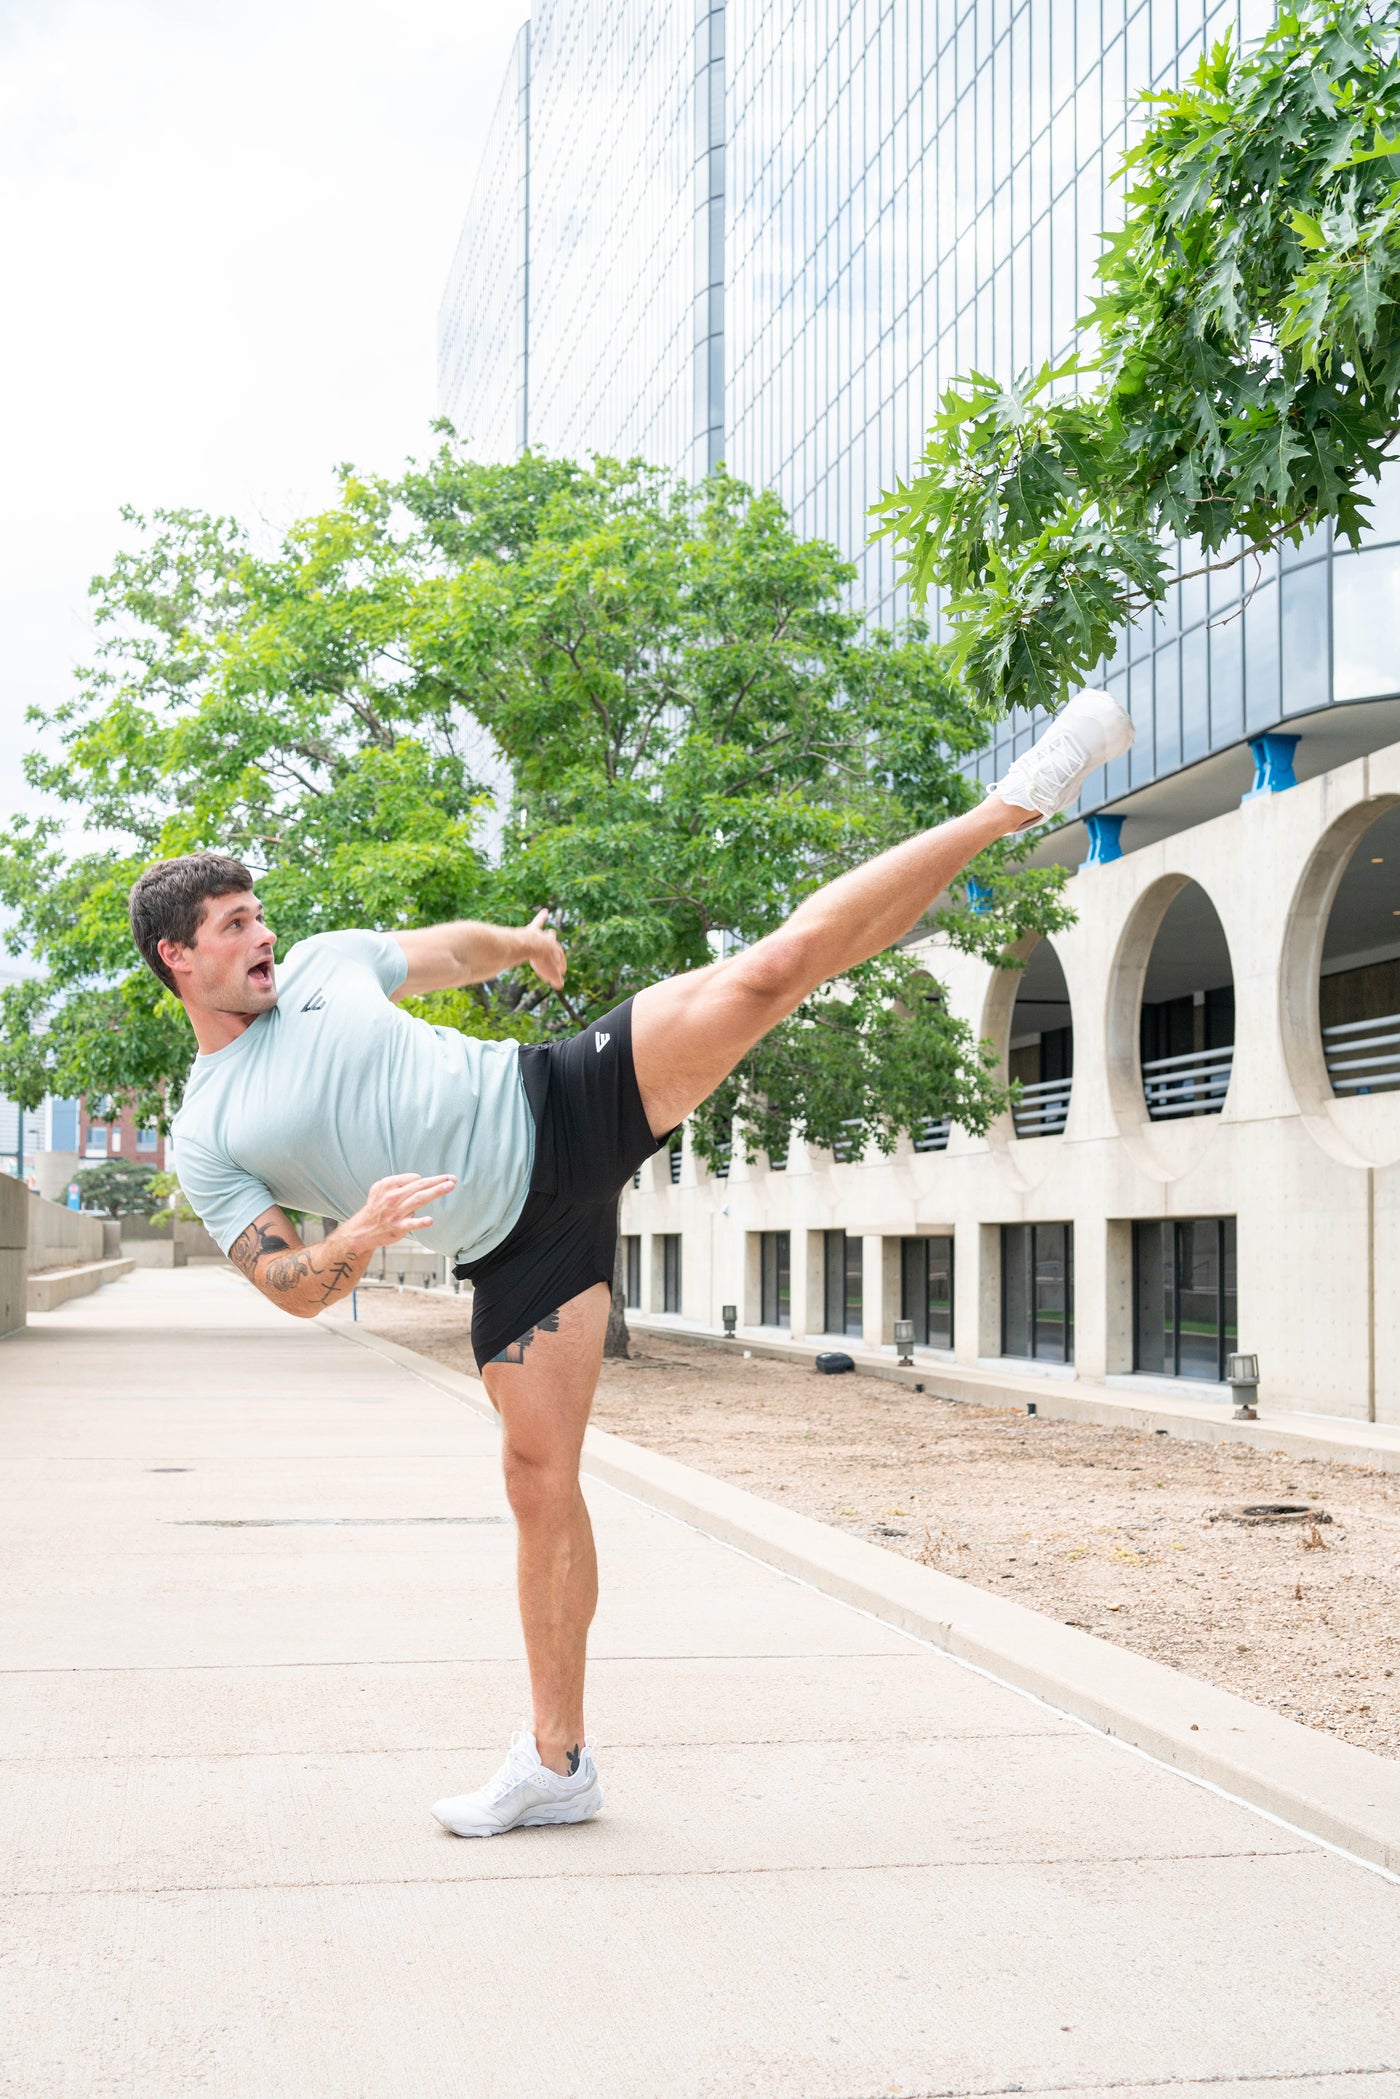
[(600, 1043), (315, 1002)]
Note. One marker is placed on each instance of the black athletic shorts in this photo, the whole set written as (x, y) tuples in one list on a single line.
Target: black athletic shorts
[(591, 1135)]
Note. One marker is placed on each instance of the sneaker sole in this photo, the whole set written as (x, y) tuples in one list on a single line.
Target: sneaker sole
[(582, 1810)]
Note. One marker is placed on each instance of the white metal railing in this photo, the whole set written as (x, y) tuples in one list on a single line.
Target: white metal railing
[(933, 1135), (1363, 1056), (842, 1151), (1193, 1084), (1042, 1110)]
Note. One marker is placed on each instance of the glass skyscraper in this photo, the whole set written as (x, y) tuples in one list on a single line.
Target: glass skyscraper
[(772, 231)]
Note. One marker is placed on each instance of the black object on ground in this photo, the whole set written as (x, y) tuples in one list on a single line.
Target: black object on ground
[(832, 1361)]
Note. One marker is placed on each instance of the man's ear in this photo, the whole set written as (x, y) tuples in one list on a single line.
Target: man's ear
[(175, 956)]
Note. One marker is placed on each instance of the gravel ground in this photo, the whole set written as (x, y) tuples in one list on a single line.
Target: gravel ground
[(1108, 1529)]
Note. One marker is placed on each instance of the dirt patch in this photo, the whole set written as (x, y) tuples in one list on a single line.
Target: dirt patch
[(1105, 1528)]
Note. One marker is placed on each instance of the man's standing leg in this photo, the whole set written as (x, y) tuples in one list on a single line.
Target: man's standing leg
[(542, 1387)]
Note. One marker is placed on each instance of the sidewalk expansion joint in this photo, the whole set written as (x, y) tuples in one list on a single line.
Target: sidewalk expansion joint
[(592, 1871)]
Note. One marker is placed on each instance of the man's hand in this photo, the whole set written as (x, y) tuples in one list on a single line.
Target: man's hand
[(543, 952), (387, 1211), (441, 958)]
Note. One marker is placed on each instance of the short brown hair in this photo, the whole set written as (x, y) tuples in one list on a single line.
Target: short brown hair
[(167, 901)]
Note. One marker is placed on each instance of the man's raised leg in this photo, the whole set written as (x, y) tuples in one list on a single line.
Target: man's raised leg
[(689, 1032)]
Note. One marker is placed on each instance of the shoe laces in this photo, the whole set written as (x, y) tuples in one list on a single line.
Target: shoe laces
[(1059, 759), (522, 1762)]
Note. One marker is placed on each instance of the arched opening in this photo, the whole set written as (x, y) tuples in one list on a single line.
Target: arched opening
[(1186, 1029), (1041, 1049), (1359, 984)]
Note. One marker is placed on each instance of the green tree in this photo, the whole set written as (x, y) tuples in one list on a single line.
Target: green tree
[(697, 727), (119, 1188), (1245, 378)]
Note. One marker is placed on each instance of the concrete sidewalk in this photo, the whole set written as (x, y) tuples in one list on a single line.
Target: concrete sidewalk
[(257, 1614)]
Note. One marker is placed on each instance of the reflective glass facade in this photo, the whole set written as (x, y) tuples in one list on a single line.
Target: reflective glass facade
[(484, 320), (774, 233), (607, 158)]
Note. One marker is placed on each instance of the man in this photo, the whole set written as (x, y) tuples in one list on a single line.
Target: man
[(318, 1093)]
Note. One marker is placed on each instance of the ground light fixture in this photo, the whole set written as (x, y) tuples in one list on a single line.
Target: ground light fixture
[(904, 1341), (730, 1315), (1242, 1376)]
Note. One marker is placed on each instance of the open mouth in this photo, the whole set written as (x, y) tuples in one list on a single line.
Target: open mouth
[(260, 976)]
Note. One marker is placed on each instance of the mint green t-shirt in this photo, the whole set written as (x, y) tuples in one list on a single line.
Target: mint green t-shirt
[(333, 1088)]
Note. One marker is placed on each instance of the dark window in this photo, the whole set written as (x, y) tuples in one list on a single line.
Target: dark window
[(675, 1151), (926, 1289), (670, 1271), (842, 1313), (775, 1279), (1037, 1291), (1184, 1297), (632, 1270)]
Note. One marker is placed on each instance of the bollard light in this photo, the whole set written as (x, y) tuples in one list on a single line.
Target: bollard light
[(904, 1341), (730, 1315), (1242, 1376)]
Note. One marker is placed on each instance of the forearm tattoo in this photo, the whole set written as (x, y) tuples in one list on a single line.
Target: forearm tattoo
[(296, 1266), (250, 1246), (514, 1351)]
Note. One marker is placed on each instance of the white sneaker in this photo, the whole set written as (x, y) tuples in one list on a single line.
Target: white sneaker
[(523, 1794), (1088, 731)]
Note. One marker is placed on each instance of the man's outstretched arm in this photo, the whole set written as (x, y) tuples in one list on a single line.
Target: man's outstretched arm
[(303, 1280), (440, 958)]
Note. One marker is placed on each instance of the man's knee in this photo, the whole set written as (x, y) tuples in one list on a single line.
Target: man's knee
[(775, 971), (539, 1488)]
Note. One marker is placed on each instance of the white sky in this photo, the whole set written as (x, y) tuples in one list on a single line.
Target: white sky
[(224, 230)]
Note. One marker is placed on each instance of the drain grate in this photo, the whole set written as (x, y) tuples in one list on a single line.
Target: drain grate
[(272, 1523)]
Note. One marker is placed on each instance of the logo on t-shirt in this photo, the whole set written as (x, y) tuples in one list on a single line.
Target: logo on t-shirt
[(315, 1002), (600, 1043)]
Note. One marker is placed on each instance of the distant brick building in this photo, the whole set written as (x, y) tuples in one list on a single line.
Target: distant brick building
[(122, 1139)]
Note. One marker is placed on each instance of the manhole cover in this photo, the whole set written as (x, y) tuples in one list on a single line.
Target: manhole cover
[(1271, 1512)]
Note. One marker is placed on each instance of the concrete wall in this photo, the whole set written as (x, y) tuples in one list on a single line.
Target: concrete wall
[(152, 1245), (61, 1238), (1313, 1181), (14, 1241)]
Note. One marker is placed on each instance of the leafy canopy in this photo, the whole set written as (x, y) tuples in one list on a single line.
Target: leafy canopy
[(1247, 375), (477, 690)]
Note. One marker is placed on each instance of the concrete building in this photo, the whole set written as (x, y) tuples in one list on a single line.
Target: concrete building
[(877, 198)]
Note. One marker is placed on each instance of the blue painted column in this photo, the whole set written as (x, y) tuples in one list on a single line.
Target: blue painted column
[(1105, 841), (1273, 765)]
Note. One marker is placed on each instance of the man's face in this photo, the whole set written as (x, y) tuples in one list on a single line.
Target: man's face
[(229, 967)]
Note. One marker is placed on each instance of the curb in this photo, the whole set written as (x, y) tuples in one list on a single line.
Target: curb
[(1348, 1797)]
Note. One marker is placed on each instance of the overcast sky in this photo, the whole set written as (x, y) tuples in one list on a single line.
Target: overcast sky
[(224, 230)]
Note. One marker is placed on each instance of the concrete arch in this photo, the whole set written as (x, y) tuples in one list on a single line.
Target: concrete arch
[(1356, 1132), (1024, 1161), (1163, 1149)]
